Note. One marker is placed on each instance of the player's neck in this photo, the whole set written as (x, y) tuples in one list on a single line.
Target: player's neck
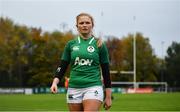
[(85, 36)]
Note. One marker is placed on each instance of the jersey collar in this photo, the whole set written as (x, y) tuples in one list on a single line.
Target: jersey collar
[(79, 40)]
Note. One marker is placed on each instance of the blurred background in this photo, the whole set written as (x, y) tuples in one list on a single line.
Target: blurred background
[(142, 36)]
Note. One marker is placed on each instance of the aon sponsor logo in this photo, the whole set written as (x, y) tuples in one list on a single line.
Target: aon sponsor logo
[(79, 61)]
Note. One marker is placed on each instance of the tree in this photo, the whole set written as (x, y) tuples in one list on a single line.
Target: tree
[(13, 39), (115, 53), (145, 58), (172, 61), (45, 56), (121, 58), (28, 56), (115, 49)]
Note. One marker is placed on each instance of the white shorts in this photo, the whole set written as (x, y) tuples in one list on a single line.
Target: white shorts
[(77, 95)]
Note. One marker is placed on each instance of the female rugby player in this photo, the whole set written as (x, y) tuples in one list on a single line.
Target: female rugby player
[(87, 57)]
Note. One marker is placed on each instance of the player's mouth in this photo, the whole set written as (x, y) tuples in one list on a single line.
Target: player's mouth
[(84, 29)]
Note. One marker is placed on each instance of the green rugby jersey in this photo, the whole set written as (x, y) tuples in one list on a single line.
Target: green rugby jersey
[(85, 59)]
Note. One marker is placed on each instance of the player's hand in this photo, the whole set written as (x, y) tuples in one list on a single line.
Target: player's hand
[(54, 88), (107, 103)]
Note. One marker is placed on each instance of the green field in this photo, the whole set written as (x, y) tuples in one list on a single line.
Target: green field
[(122, 102)]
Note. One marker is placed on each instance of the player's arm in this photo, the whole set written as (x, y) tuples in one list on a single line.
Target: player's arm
[(104, 60), (107, 84), (59, 75), (106, 75), (65, 60)]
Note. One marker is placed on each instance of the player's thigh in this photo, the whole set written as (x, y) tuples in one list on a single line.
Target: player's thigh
[(91, 105), (75, 106), (93, 98)]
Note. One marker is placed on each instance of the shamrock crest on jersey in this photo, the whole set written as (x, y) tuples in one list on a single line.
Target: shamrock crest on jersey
[(90, 49)]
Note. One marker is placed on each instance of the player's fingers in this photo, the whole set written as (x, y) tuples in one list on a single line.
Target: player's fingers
[(53, 89), (106, 106)]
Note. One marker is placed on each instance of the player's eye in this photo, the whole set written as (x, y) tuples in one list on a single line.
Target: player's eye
[(87, 22), (81, 23)]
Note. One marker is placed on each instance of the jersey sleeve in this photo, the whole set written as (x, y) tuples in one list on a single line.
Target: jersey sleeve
[(66, 53), (103, 54)]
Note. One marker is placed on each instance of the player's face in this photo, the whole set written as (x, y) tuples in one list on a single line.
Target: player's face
[(84, 25)]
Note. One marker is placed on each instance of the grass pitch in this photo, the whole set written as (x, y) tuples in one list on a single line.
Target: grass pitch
[(122, 102)]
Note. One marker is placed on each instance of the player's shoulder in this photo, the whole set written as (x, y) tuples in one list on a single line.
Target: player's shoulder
[(72, 41)]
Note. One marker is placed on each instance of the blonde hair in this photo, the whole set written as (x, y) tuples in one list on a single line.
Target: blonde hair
[(84, 14)]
